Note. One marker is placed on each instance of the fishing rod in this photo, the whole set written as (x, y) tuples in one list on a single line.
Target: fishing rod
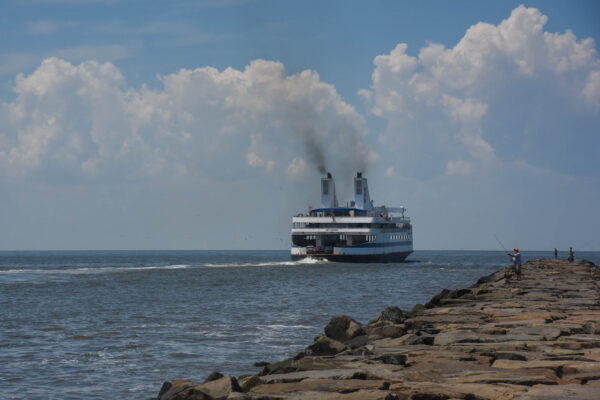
[(500, 243)]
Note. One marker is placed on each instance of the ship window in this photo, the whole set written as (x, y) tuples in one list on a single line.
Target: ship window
[(302, 240), (325, 187)]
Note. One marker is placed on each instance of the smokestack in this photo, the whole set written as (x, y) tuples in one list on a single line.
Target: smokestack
[(328, 196), (362, 199)]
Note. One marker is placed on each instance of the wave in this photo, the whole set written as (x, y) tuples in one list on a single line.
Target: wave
[(122, 269), (452, 264), (284, 327), (92, 270), (307, 260)]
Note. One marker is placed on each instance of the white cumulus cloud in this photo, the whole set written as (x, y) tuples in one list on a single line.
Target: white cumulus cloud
[(592, 87), (297, 169), (84, 119), (494, 96)]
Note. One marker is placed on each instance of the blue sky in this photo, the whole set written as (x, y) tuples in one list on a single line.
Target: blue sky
[(182, 124)]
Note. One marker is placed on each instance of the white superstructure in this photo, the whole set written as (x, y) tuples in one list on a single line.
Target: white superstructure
[(359, 232)]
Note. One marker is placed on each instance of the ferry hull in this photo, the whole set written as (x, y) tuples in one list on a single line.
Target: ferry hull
[(357, 258)]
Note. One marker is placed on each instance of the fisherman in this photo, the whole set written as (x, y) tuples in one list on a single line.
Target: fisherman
[(516, 259), (555, 253), (571, 255)]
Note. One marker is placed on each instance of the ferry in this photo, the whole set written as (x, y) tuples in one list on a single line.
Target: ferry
[(359, 232)]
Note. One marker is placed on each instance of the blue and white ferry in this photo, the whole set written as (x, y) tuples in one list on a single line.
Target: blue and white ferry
[(359, 232)]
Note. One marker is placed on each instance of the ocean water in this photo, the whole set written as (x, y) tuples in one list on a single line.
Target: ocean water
[(116, 324)]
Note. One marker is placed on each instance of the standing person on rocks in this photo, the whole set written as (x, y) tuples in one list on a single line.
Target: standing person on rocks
[(516, 259), (571, 255), (555, 253)]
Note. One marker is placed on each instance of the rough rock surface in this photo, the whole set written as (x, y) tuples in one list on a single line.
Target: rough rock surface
[(218, 389), (343, 328), (537, 338), (324, 346), (391, 314)]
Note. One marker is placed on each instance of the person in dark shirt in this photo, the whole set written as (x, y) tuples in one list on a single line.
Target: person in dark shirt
[(571, 255)]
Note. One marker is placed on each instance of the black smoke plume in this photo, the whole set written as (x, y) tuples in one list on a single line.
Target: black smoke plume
[(345, 151), (314, 149)]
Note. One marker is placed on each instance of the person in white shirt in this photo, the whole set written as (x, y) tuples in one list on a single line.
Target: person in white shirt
[(516, 259)]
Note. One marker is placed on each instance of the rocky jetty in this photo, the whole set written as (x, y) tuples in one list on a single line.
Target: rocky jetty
[(502, 338)]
